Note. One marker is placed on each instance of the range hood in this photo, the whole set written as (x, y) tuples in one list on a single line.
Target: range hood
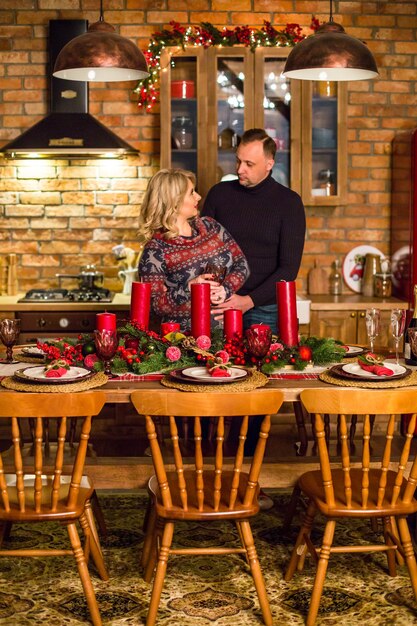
[(69, 131)]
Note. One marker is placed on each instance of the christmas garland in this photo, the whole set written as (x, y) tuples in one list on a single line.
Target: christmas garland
[(143, 351), (207, 35)]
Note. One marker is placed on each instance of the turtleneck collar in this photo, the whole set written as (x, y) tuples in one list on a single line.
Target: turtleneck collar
[(257, 187)]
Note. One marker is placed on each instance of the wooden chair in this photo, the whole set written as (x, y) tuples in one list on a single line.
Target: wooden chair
[(204, 491), (370, 488), (36, 493)]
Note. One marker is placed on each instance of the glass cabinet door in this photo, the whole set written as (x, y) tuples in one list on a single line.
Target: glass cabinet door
[(324, 112), (230, 79), (277, 110), (183, 110)]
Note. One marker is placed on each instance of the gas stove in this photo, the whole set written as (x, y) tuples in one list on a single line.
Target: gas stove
[(66, 295)]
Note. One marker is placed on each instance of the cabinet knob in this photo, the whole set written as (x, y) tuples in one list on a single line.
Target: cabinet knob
[(362, 314), (353, 314)]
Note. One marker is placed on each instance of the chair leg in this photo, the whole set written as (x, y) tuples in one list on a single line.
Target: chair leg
[(300, 546), (84, 574), (153, 552), (149, 534), (98, 514), (398, 554), (242, 541), (94, 545), (292, 507), (256, 571), (160, 572), (409, 555), (392, 567), (321, 572), (91, 523)]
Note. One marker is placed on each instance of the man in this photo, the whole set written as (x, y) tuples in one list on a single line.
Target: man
[(267, 220)]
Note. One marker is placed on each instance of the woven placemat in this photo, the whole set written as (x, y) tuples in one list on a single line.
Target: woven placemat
[(97, 380), (252, 382), (409, 381)]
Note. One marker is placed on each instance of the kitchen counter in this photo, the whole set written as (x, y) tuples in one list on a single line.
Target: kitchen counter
[(10, 303)]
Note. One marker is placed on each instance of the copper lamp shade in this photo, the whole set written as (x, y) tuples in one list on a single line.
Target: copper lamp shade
[(330, 54), (100, 55)]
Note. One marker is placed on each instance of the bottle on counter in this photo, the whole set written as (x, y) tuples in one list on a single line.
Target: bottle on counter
[(335, 279), (409, 357)]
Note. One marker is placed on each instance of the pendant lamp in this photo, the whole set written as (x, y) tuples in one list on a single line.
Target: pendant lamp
[(100, 55), (330, 54)]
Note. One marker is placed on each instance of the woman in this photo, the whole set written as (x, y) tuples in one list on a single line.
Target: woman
[(179, 246)]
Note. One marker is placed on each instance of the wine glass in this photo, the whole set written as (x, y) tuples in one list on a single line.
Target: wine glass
[(397, 329), (106, 345), (372, 320), (217, 271), (259, 338), (9, 333)]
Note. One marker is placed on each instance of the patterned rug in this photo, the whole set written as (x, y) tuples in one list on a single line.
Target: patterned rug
[(199, 591)]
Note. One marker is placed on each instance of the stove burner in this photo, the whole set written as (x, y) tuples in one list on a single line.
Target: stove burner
[(65, 295)]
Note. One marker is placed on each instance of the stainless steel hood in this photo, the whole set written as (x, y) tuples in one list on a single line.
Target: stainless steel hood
[(69, 131)]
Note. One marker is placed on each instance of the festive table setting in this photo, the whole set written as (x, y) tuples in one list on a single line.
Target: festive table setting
[(204, 358)]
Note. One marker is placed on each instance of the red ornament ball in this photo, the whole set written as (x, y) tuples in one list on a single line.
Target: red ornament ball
[(305, 353)]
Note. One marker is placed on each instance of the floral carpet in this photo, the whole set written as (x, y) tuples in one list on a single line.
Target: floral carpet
[(209, 591)]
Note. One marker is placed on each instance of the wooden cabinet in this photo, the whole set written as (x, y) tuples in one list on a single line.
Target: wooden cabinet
[(209, 97), (343, 318)]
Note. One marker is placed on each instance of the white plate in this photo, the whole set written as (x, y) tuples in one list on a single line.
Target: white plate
[(38, 373), (201, 373), (353, 266), (351, 350), (355, 368)]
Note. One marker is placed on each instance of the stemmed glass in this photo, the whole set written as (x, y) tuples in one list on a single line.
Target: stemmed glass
[(218, 272), (259, 338), (9, 333), (106, 345), (397, 329), (372, 320)]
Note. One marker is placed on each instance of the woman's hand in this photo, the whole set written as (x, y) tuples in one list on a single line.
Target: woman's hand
[(204, 278), (217, 294)]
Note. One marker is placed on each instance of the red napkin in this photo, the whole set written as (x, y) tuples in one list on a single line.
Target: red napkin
[(56, 373), (379, 370), (218, 371)]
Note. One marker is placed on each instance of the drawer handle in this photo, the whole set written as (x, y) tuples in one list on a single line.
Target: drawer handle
[(362, 314), (353, 314)]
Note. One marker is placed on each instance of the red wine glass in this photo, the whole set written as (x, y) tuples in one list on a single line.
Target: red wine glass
[(9, 333), (106, 345), (259, 338), (218, 272)]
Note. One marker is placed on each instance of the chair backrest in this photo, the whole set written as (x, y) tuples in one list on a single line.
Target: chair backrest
[(26, 487), (214, 406), (368, 479)]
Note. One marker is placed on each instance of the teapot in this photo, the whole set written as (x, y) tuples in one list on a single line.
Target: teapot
[(128, 277)]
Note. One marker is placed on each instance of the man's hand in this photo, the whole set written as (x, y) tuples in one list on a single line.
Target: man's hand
[(244, 303)]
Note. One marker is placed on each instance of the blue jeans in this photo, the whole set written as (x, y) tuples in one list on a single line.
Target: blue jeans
[(266, 314)]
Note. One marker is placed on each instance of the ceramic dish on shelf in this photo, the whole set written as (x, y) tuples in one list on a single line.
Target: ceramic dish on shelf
[(201, 373), (37, 375), (210, 380), (348, 371), (352, 351), (33, 351), (353, 265)]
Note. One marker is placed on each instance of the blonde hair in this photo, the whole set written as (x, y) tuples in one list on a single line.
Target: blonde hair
[(164, 195)]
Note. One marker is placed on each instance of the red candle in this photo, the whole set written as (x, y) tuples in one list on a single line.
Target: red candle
[(140, 303), (233, 323), (287, 312), (106, 321), (200, 309), (169, 327)]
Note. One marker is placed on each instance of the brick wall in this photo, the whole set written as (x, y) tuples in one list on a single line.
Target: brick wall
[(58, 215)]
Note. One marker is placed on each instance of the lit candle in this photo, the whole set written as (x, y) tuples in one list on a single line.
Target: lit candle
[(287, 312), (106, 321), (200, 309), (169, 327), (140, 303), (233, 323)]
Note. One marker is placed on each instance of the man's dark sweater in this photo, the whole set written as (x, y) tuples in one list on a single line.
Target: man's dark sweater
[(268, 223)]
